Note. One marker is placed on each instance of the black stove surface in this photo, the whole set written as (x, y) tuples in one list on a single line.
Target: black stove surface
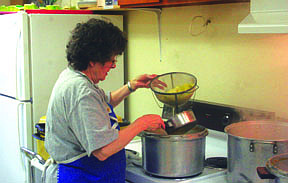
[(216, 162)]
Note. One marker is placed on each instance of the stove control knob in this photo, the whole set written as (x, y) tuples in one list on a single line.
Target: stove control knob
[(226, 119)]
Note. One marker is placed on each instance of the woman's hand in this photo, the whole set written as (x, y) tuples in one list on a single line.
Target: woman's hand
[(150, 122), (144, 80)]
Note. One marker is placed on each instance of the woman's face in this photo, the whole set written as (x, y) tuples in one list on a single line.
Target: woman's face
[(100, 71)]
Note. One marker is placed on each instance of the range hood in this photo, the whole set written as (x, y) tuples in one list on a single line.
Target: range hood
[(266, 16)]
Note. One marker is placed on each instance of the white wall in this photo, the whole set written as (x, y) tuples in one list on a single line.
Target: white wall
[(247, 70)]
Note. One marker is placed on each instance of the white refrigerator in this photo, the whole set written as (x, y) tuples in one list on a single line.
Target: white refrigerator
[(32, 55)]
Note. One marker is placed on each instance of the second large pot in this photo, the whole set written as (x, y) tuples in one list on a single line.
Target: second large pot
[(276, 169), (250, 145), (174, 156)]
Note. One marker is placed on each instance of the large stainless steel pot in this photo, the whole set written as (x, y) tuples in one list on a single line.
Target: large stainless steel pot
[(276, 169), (250, 145), (174, 155)]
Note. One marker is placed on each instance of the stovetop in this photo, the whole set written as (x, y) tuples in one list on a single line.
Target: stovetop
[(135, 174)]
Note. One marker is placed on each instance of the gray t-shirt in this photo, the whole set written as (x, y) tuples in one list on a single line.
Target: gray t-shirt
[(77, 120)]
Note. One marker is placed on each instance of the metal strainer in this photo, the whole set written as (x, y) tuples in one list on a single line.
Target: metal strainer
[(180, 88)]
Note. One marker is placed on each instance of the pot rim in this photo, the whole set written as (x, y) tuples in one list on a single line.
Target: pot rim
[(203, 133), (271, 165), (245, 123)]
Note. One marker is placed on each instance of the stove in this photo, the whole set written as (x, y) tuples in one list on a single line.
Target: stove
[(215, 117)]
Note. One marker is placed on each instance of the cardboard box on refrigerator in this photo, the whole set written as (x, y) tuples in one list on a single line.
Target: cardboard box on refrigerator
[(18, 2), (100, 3)]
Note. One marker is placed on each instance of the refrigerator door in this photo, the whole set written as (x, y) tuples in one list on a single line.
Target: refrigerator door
[(14, 62), (49, 34), (13, 135), (15, 98)]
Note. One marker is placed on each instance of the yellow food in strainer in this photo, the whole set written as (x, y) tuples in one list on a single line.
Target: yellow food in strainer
[(181, 88), (181, 98)]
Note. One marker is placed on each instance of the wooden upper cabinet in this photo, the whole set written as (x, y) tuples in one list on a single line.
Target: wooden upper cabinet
[(167, 3)]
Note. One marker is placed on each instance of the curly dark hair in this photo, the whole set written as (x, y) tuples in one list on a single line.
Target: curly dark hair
[(96, 41)]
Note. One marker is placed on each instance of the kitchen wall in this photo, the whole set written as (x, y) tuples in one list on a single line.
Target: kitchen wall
[(246, 70)]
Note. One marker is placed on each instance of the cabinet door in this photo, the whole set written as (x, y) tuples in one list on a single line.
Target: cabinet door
[(128, 2)]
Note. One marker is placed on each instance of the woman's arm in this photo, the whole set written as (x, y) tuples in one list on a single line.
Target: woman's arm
[(147, 122), (141, 81), (119, 95)]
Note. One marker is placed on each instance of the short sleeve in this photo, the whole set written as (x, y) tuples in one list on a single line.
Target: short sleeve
[(90, 122)]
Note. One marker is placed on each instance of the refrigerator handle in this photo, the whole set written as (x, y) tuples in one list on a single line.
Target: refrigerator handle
[(21, 130), (21, 69), (21, 127), (18, 70), (33, 155)]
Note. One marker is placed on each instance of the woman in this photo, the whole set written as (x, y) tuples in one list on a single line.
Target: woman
[(82, 135)]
